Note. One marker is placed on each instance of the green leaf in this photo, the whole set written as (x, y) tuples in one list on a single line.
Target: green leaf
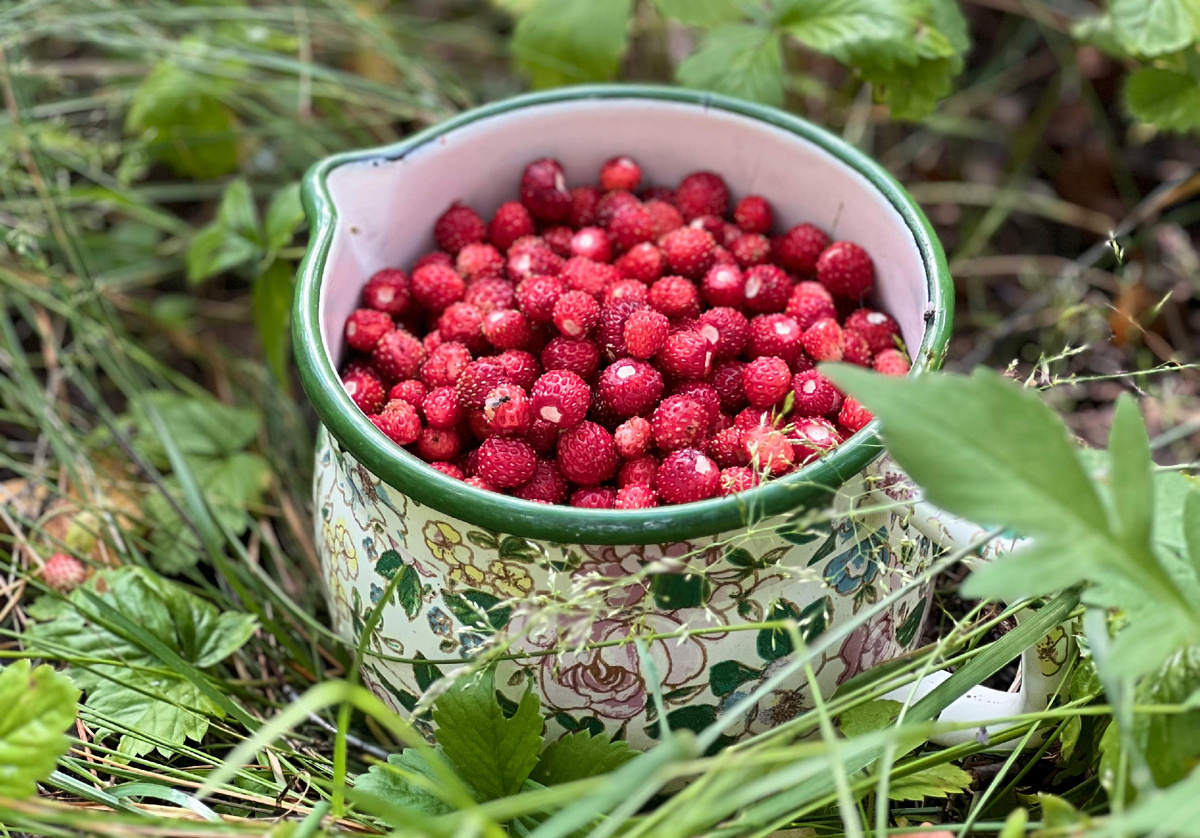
[(238, 212), (699, 12), (1191, 528), (478, 609), (496, 754), (201, 427), (404, 781), (567, 42), (39, 704), (869, 717), (1154, 27), (1132, 485), (185, 125), (214, 250), (578, 756), (1097, 30), (726, 676), (272, 309), (1036, 570), (831, 26), (1164, 98), (739, 60), (936, 781), (285, 214)]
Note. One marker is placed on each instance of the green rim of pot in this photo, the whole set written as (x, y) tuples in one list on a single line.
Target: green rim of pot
[(564, 524)]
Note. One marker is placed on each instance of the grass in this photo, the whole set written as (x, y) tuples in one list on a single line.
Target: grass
[(1026, 169)]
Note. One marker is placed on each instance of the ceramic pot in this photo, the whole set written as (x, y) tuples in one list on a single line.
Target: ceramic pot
[(563, 590)]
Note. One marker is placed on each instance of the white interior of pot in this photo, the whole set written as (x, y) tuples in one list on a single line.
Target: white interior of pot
[(386, 208)]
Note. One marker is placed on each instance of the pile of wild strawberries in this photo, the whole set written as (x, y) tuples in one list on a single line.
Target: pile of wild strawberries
[(614, 348)]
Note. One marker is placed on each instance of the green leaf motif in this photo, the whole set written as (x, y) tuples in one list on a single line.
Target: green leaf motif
[(285, 215), (936, 781), (496, 754), (726, 676), (739, 60), (578, 756), (568, 42), (700, 12), (672, 591), (1154, 27), (406, 781), (39, 704), (1164, 98), (814, 618), (478, 610), (773, 644), (185, 124)]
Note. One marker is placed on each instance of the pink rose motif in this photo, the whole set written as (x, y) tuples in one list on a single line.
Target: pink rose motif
[(867, 646), (610, 564)]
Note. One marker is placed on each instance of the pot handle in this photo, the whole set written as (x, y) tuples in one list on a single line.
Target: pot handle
[(1042, 665)]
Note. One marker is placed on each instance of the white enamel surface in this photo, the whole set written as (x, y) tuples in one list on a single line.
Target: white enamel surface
[(386, 208)]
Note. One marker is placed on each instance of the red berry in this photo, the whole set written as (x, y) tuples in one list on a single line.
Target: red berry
[(576, 313), (714, 225), (581, 274), (364, 328), (855, 349), (458, 227), (853, 416), (522, 368), (630, 387), (675, 296), (444, 365), (581, 357), (686, 354), (768, 450), (490, 295), (479, 261), (753, 215), (584, 203), (678, 422), (751, 249), (506, 329), (823, 340), (63, 573), (688, 251), (666, 217), (846, 270), (767, 288), (480, 483), (536, 297), (587, 454), (727, 379), (477, 380), (594, 497), (561, 398), (643, 262), (398, 355), (399, 422), (636, 496), (544, 191), (702, 193), (633, 437), (410, 390), (891, 362), (767, 380), (462, 323), (449, 469), (547, 484), (507, 410), (807, 308), (774, 334), (531, 257), (737, 479), (727, 447), (627, 289), (631, 224), (706, 396), (639, 470), (511, 222), (592, 243), (753, 417), (441, 408), (559, 240), (798, 249), (505, 462), (880, 330), (645, 332), (387, 291), (610, 202), (726, 329), (724, 285), (686, 476), (813, 437), (620, 173), (437, 286), (438, 444), (434, 257), (611, 334), (815, 395)]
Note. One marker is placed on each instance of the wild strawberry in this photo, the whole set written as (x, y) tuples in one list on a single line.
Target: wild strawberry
[(722, 256), (798, 249), (505, 462), (507, 410), (686, 354), (767, 381), (658, 193), (561, 398), (364, 328), (399, 422), (823, 341), (639, 470), (626, 289), (768, 450), (536, 297), (846, 270), (706, 396), (481, 484), (584, 202), (434, 257), (631, 224), (587, 454), (531, 257), (855, 349), (603, 415), (410, 390), (815, 395), (441, 408), (891, 362), (437, 286), (591, 243), (727, 449), (645, 332), (727, 380), (853, 416), (813, 437), (610, 336), (751, 249), (479, 426), (559, 240), (806, 308), (546, 486), (737, 479), (398, 355), (726, 329), (63, 573), (666, 217), (506, 329), (438, 444), (633, 437), (444, 365), (511, 222), (582, 274), (610, 202), (767, 289), (542, 435), (581, 357), (462, 323), (688, 251), (458, 227), (620, 173), (880, 330), (714, 225), (387, 291), (675, 296), (629, 387), (449, 469), (477, 380), (594, 497), (576, 313), (724, 285), (679, 421), (686, 476), (702, 193), (521, 367), (544, 191), (753, 215), (643, 262), (753, 417), (490, 295), (636, 496), (774, 334), (479, 261)]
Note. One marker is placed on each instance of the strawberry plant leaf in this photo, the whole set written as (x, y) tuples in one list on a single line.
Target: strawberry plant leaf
[(834, 26), (740, 60), (1165, 98), (272, 308), (567, 42), (238, 213), (1191, 528), (285, 215), (495, 754), (201, 427), (1154, 27), (185, 124), (936, 781), (699, 12), (579, 755), (214, 250), (1132, 485), (39, 704), (404, 782)]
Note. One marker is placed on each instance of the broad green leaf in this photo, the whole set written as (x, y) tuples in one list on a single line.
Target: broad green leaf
[(869, 717), (1191, 528), (201, 427), (832, 26), (912, 91), (285, 215), (1097, 30), (568, 42), (272, 308), (700, 12), (936, 781), (579, 755), (1132, 484), (184, 124), (1059, 814), (740, 60), (1164, 98), (1175, 811), (238, 212), (405, 782), (1154, 27), (39, 704), (214, 250), (495, 754)]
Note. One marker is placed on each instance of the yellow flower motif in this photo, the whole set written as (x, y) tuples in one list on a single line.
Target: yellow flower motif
[(503, 578), (510, 578), (445, 543), (340, 549)]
